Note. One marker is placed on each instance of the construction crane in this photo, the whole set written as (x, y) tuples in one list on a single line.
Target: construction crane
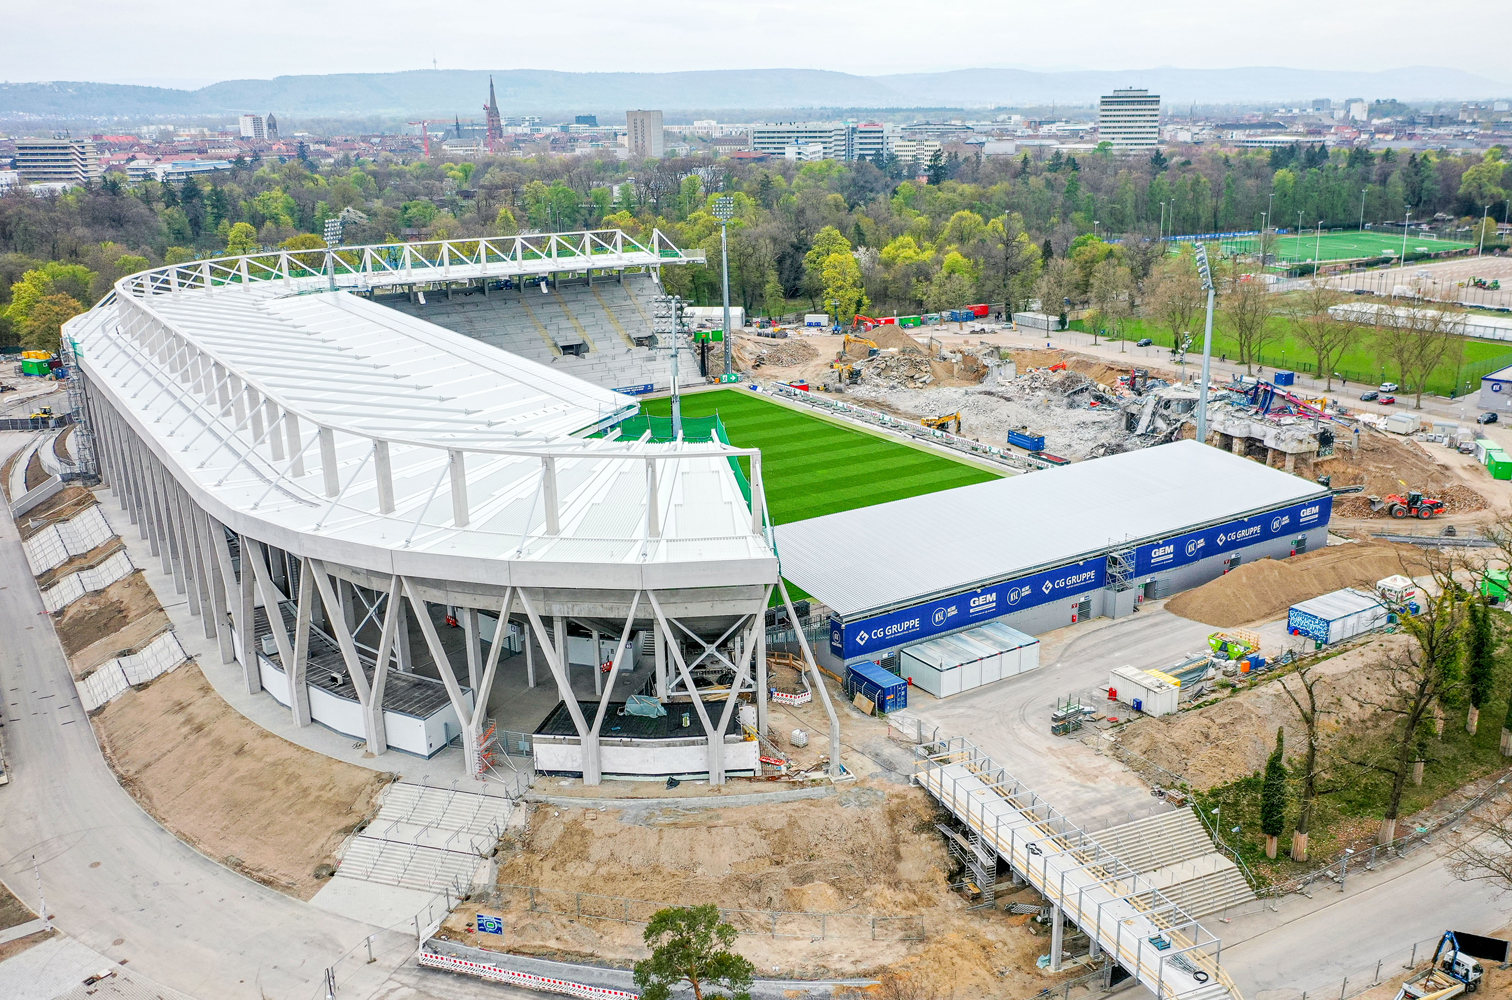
[(425, 132), (943, 423)]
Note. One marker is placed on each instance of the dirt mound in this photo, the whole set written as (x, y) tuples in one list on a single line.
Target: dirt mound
[(270, 809), (1230, 740), (885, 337), (779, 353), (1096, 369), (1263, 590), (1384, 462), (103, 613)]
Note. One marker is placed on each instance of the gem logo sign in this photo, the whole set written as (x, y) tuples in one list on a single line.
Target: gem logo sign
[(1189, 548)]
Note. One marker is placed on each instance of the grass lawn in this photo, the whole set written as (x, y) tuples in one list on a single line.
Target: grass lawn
[(1361, 365), (813, 467), (1354, 245)]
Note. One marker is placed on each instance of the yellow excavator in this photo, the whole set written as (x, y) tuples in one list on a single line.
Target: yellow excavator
[(943, 423), (849, 340)]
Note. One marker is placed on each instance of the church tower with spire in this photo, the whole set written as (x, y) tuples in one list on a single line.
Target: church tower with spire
[(495, 123)]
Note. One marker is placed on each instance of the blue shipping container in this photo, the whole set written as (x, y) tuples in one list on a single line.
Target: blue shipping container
[(887, 691), (1027, 441), (1285, 378)]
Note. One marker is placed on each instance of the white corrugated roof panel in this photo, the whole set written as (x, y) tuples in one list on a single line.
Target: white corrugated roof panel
[(939, 543), (1339, 604)]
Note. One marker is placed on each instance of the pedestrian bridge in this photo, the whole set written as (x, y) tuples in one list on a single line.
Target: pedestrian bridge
[(1120, 910)]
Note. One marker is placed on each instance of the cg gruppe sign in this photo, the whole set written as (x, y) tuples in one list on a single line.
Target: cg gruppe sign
[(1191, 547), (947, 614)]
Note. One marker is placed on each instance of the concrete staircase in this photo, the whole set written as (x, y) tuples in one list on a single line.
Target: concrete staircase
[(591, 332), (427, 838), (1173, 853)]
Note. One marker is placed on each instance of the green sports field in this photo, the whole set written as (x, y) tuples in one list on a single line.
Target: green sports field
[(813, 467), (1355, 245)]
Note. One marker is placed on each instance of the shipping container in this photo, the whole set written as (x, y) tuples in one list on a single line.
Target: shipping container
[(1402, 423), (1483, 448), (964, 660), (816, 319), (1498, 464), (32, 366), (979, 310), (1335, 617), (1144, 691), (910, 321), (1027, 440), (1036, 321), (884, 689), (1285, 378)]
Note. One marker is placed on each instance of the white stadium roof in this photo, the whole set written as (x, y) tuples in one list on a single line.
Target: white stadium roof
[(389, 443), (896, 553)]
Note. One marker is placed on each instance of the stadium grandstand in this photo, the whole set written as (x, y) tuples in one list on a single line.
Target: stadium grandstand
[(416, 536), (597, 330)]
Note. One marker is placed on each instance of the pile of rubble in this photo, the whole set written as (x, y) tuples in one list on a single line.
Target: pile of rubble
[(783, 355), (895, 371)]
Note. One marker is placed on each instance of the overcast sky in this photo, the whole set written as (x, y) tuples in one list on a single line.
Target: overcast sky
[(117, 42)]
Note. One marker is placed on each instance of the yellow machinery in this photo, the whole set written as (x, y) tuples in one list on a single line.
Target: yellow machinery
[(849, 340), (42, 413), (943, 423)]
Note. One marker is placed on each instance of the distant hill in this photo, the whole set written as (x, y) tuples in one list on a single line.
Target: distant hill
[(449, 92)]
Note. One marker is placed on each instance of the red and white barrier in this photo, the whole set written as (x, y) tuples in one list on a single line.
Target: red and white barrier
[(524, 980), (783, 698)]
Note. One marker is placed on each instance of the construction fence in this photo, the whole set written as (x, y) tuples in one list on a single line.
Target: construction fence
[(846, 925)]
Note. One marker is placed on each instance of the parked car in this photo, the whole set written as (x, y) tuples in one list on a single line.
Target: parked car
[(1389, 387), (1144, 342), (1366, 397), (1387, 400), (1486, 418)]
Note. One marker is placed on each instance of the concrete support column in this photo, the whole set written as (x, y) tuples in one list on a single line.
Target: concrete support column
[(474, 647), (298, 671), (1057, 933), (559, 640), (200, 559), (174, 540), (1094, 951), (659, 646), (1237, 446), (762, 690), (347, 595), (402, 637), (1290, 464), (530, 679), (247, 597)]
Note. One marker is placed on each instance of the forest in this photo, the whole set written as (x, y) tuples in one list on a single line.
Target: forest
[(824, 236)]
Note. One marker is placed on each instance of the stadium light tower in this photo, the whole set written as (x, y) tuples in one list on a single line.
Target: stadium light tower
[(1207, 342), (724, 210)]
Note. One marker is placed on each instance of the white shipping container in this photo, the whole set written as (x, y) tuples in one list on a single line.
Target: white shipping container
[(954, 663), (1153, 695), (1335, 617), (1402, 423), (816, 319)]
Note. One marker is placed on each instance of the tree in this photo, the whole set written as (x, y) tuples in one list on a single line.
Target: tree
[(936, 168), (1416, 679), (1057, 285), (1110, 289), (1007, 261), (1273, 797), (1480, 662), (1485, 852), (1311, 766), (1174, 293), (1419, 339), (1326, 335), (841, 278), (242, 240), (43, 326), (691, 944), (1247, 307)]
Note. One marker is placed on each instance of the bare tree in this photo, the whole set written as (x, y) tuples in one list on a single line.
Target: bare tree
[(1174, 294), (1326, 335), (1111, 288), (1312, 767), (1485, 855), (1418, 340), (1416, 679), (1248, 307), (1056, 286)]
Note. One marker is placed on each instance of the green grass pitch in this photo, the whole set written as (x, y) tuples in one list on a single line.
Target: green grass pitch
[(1355, 245), (813, 467)]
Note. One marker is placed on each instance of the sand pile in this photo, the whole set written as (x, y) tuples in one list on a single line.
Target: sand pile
[(105, 612), (885, 337), (781, 353), (1230, 740), (1263, 590)]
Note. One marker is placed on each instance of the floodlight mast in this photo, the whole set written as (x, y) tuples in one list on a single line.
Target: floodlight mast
[(668, 317), (724, 210), (1207, 343)]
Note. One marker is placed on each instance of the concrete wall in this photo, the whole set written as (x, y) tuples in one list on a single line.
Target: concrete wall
[(644, 758)]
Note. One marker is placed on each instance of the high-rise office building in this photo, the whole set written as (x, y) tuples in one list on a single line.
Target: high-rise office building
[(254, 127), (643, 129), (1129, 119), (68, 161)]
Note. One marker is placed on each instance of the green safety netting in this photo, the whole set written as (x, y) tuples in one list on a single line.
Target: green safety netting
[(694, 429)]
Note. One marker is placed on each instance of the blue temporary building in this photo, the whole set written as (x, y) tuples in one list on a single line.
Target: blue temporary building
[(886, 690)]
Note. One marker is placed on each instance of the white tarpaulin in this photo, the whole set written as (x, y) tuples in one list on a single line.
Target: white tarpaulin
[(57, 543), (155, 659), (87, 581)]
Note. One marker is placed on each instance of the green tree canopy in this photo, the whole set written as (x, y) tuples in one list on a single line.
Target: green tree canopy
[(690, 944)]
